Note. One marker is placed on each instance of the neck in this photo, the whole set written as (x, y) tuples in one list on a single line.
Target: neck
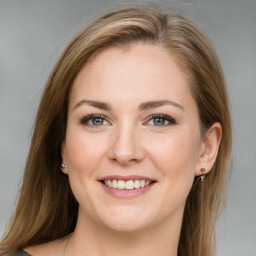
[(90, 239)]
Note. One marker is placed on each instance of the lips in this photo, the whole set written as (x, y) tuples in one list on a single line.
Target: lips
[(126, 186)]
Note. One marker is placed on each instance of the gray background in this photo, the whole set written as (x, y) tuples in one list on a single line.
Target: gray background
[(33, 35)]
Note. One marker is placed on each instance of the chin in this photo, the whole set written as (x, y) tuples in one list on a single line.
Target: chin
[(126, 220), (126, 225)]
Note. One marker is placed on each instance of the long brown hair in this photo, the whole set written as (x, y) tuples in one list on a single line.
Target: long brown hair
[(46, 208)]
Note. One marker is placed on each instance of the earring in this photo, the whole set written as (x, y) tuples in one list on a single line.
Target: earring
[(63, 165), (202, 177)]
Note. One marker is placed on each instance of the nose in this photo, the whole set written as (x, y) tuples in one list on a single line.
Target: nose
[(126, 146)]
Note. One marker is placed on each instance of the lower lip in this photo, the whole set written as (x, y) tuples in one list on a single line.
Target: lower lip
[(127, 193)]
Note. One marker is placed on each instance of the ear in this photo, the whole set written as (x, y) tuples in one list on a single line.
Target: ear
[(64, 157), (209, 149)]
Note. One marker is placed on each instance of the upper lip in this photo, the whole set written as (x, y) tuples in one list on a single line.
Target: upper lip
[(128, 177)]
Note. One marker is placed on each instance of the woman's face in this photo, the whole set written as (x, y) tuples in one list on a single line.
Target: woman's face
[(132, 124)]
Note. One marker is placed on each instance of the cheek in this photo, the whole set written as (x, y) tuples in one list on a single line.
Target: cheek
[(176, 158), (84, 151), (175, 154)]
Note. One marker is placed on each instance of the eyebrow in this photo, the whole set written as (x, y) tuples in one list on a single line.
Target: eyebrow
[(156, 104), (96, 104), (142, 106)]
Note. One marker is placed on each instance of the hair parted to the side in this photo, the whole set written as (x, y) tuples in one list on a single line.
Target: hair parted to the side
[(46, 208)]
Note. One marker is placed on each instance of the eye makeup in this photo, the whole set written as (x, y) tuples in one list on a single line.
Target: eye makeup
[(94, 120), (157, 120), (161, 120)]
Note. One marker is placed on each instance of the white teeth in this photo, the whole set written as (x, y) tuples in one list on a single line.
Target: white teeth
[(114, 183), (137, 183), (129, 184), (121, 184), (142, 183), (109, 183)]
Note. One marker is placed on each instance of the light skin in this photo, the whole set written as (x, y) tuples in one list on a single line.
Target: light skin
[(127, 88)]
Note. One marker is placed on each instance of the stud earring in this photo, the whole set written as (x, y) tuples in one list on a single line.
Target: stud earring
[(202, 177), (63, 165)]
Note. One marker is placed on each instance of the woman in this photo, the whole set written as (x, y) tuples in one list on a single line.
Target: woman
[(130, 146)]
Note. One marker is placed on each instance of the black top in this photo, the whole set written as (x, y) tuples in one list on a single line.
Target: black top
[(21, 253)]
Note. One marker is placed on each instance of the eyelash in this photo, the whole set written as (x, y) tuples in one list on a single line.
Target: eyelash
[(171, 121), (86, 119)]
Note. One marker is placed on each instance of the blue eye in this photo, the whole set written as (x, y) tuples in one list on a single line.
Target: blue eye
[(94, 120), (160, 120)]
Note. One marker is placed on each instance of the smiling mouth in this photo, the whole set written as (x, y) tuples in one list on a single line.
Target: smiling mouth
[(127, 184)]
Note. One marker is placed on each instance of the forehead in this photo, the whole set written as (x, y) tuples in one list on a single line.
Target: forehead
[(141, 71)]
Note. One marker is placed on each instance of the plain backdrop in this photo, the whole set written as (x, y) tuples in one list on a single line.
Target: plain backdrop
[(34, 33)]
